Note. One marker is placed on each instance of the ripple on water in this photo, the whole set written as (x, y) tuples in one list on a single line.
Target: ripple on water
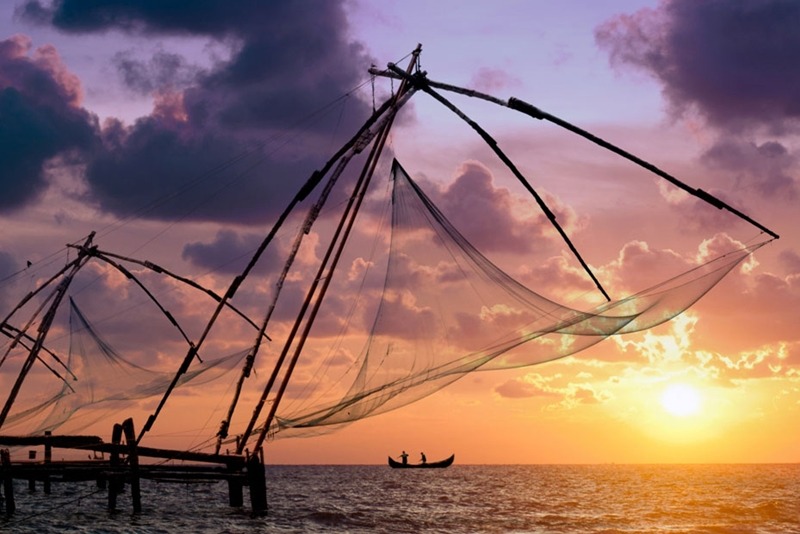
[(669, 499)]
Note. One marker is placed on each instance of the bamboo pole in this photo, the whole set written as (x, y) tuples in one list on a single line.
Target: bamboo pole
[(133, 463), (535, 112), (48, 459), (352, 208), (115, 481), (8, 481), (304, 191), (421, 82), (44, 327)]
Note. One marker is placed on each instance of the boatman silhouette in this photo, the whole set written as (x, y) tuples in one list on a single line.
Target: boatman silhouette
[(404, 457), (424, 460)]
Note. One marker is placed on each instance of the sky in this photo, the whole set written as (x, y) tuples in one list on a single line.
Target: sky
[(179, 130)]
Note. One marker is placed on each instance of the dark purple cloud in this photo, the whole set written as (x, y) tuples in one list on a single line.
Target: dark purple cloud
[(767, 166), (734, 61), (163, 70), (731, 62), (9, 266), (230, 252), (40, 118), (485, 214), (288, 61)]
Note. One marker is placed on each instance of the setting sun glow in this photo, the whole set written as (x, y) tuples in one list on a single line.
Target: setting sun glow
[(681, 400)]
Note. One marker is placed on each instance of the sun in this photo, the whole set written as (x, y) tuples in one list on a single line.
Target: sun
[(681, 400)]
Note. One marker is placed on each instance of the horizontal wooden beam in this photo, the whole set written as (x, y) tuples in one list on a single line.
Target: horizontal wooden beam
[(95, 443)]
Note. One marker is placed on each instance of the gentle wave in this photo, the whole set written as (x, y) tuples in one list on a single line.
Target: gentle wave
[(480, 499)]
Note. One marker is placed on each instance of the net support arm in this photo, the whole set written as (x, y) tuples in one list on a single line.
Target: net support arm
[(13, 332), (4, 323), (129, 275), (103, 254), (533, 111), (420, 81), (44, 327)]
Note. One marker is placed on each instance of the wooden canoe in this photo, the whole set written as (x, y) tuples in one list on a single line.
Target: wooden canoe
[(429, 465)]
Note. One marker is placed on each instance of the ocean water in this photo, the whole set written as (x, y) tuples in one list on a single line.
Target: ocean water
[(463, 498)]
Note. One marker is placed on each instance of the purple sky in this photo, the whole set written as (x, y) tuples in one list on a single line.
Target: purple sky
[(179, 129)]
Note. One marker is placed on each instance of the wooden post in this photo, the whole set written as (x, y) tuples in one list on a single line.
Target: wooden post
[(48, 457), (32, 480), (114, 483), (235, 492), (8, 481), (133, 462), (235, 489), (256, 478)]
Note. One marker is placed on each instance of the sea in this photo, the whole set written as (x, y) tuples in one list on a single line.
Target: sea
[(463, 498)]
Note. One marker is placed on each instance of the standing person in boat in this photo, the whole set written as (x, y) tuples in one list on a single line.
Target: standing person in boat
[(423, 459), (404, 457)]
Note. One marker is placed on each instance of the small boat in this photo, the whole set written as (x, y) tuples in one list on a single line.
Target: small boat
[(442, 463)]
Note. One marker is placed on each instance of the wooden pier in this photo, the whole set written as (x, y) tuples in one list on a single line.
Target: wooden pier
[(120, 464)]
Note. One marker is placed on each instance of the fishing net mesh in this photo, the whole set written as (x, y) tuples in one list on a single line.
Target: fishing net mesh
[(98, 381), (446, 311)]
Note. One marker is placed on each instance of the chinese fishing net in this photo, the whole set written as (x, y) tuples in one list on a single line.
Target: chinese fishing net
[(446, 311), (97, 381)]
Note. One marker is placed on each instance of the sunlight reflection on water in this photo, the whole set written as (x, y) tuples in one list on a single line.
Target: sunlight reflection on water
[(591, 498)]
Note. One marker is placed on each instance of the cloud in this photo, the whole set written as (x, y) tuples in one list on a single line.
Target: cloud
[(288, 60), (493, 80), (530, 385), (490, 217), (559, 275), (765, 362), (767, 166), (678, 345), (734, 62), (637, 265), (8, 268), (758, 306), (670, 347), (536, 385), (791, 260), (162, 70), (40, 119), (229, 251)]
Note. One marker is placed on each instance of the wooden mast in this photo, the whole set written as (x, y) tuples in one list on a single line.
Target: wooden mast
[(310, 184), (311, 217), (350, 212), (362, 141)]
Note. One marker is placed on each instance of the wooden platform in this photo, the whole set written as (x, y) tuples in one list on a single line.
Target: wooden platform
[(120, 463)]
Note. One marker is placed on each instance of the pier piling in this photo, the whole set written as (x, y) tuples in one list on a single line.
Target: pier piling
[(258, 485), (48, 458), (8, 481)]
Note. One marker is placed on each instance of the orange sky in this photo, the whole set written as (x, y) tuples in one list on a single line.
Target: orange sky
[(736, 353)]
